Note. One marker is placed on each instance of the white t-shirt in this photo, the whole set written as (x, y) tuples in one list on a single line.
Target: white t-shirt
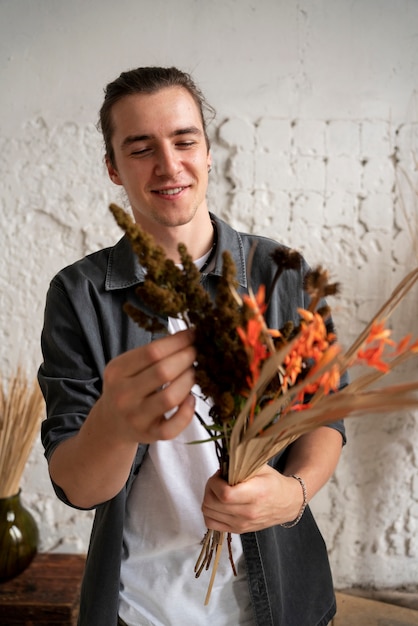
[(163, 530)]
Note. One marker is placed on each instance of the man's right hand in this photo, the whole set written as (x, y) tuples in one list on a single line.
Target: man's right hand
[(144, 384), (139, 388)]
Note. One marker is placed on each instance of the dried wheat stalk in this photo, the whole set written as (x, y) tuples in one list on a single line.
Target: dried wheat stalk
[(21, 407)]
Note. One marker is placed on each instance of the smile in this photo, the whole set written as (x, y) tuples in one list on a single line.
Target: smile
[(170, 192)]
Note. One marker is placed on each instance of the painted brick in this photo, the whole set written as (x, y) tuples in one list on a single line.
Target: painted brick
[(274, 135), (377, 138), (240, 170), (343, 138), (378, 175), (341, 209), (238, 133), (310, 173), (272, 214), (309, 137), (376, 211), (309, 206), (343, 173), (273, 171)]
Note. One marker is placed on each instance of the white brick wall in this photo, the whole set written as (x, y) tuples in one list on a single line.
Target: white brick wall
[(319, 159)]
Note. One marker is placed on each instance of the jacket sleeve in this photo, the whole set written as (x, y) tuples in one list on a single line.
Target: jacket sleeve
[(71, 373)]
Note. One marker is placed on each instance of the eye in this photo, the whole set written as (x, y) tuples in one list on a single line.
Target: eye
[(141, 152), (185, 144)]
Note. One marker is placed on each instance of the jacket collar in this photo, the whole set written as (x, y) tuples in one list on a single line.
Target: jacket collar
[(124, 269)]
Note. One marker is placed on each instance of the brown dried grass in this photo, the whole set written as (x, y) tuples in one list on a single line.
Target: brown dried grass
[(21, 408)]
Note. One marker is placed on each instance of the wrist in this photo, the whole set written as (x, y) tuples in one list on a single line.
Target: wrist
[(303, 501)]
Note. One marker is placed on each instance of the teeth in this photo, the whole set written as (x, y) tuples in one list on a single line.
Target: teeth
[(171, 192)]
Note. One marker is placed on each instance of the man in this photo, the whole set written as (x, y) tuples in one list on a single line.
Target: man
[(108, 439)]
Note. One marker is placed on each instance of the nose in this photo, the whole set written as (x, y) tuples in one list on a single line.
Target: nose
[(168, 162)]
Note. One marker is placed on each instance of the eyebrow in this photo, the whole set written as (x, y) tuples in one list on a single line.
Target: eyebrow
[(189, 130)]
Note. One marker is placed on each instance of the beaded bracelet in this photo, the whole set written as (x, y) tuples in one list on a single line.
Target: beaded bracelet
[(304, 503)]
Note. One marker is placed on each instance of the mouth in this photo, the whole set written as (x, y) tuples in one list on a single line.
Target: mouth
[(172, 191)]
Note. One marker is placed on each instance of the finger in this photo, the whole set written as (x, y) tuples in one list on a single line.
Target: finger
[(218, 490), (224, 522), (167, 398), (170, 428), (141, 358), (146, 421), (129, 390)]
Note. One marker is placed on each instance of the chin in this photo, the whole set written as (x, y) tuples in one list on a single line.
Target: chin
[(175, 217)]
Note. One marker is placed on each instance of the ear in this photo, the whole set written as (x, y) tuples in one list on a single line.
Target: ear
[(209, 160), (113, 174)]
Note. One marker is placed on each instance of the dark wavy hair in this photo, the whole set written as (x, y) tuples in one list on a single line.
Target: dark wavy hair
[(148, 80)]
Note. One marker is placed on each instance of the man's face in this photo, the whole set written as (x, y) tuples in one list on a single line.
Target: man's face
[(161, 157)]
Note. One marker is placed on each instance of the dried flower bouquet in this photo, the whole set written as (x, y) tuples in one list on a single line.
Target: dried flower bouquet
[(268, 387), (21, 407)]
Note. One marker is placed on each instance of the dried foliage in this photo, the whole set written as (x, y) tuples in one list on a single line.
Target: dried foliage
[(269, 387), (21, 408)]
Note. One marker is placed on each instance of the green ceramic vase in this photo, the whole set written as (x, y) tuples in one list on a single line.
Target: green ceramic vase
[(18, 537)]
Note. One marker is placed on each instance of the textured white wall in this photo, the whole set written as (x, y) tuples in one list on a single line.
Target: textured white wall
[(317, 128)]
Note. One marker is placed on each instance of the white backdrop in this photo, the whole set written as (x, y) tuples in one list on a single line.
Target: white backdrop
[(315, 143)]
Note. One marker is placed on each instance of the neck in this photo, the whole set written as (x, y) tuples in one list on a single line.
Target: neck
[(197, 235), (198, 243)]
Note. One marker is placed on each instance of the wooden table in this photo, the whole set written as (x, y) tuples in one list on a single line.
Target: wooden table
[(356, 611), (46, 594)]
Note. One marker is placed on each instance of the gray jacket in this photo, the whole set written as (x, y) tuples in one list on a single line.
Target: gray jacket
[(85, 327)]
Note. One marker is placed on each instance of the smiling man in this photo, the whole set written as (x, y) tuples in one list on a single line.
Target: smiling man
[(107, 438), (161, 157)]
